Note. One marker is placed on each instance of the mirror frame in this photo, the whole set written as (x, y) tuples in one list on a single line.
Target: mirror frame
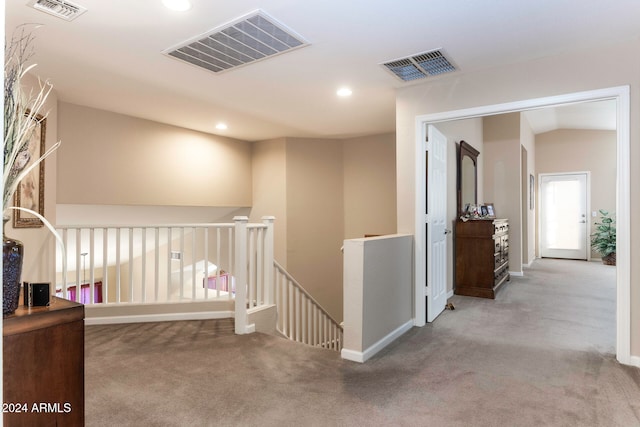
[(467, 150)]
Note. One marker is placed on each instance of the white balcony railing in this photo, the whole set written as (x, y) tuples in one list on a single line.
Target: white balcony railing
[(300, 317), (129, 265), (171, 263)]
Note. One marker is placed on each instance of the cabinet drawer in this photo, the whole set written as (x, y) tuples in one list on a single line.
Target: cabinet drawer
[(501, 227), (500, 274)]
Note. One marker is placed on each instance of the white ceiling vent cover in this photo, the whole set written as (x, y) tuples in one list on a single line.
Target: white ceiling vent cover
[(420, 66), (59, 8), (248, 39)]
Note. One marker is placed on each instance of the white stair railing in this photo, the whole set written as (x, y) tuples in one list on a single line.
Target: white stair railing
[(300, 317), (126, 265), (169, 263)]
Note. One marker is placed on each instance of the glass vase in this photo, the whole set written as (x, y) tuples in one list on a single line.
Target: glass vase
[(12, 256)]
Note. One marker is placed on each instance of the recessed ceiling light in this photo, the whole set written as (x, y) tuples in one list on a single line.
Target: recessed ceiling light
[(221, 126), (344, 92), (177, 5)]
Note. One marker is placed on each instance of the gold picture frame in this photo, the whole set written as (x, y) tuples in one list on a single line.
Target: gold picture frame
[(30, 191)]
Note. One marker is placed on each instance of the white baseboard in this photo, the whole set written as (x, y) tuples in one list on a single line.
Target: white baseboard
[(516, 273), (361, 357), (249, 329), (634, 361), (260, 308), (450, 294), (143, 318)]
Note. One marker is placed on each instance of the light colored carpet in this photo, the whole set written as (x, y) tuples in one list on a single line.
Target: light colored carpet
[(541, 354)]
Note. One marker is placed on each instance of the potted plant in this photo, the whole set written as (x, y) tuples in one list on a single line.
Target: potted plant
[(603, 240)]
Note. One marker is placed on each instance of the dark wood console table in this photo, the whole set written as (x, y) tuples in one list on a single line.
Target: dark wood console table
[(482, 257), (43, 365)]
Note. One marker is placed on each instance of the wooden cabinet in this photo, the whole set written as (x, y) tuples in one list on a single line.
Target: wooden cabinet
[(43, 365), (482, 257)]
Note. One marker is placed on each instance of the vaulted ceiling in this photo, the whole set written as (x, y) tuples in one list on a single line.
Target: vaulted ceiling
[(111, 57)]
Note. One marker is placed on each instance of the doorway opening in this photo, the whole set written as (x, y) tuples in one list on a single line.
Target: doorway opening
[(623, 285)]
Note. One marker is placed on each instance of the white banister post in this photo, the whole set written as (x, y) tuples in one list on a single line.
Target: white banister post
[(268, 260), (240, 273)]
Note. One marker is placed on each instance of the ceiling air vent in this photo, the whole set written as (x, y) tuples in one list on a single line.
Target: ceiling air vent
[(59, 8), (248, 39), (420, 66)]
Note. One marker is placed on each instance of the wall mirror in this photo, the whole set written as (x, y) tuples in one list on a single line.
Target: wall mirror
[(467, 176)]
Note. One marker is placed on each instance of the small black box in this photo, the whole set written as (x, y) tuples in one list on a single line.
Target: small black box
[(36, 294)]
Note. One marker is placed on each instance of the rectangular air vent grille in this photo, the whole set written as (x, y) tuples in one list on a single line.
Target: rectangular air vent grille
[(420, 66), (251, 38), (60, 8)]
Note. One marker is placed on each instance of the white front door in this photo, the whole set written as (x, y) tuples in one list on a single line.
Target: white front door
[(436, 223), (563, 216)]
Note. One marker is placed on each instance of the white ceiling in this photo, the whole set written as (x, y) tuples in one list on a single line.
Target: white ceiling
[(600, 115), (111, 56)]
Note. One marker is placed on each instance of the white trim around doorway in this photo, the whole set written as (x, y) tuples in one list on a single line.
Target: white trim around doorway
[(623, 198)]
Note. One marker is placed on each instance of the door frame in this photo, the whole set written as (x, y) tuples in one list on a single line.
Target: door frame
[(621, 94), (587, 213)]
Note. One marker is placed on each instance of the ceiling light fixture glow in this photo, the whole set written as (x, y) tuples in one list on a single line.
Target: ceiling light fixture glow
[(344, 92), (221, 126), (177, 5)]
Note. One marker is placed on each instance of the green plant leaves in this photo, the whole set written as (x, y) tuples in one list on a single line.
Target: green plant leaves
[(603, 240)]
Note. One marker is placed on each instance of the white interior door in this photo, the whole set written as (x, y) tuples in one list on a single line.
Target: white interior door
[(563, 216), (436, 223)]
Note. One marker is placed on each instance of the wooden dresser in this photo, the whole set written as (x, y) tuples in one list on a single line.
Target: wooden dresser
[(43, 365), (482, 257)]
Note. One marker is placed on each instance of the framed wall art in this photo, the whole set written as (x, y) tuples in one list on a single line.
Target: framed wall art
[(532, 192), (30, 191)]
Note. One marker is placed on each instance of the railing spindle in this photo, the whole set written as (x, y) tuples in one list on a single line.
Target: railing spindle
[(193, 263), (105, 263), (181, 263), (169, 242), (156, 270), (205, 279), (79, 252), (118, 232), (131, 265), (92, 276), (143, 259)]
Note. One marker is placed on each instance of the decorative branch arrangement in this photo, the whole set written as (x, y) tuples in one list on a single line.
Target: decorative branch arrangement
[(22, 114)]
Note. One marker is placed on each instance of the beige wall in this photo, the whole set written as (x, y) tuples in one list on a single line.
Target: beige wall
[(112, 159), (377, 293), (316, 188), (369, 186), (502, 177), (321, 192), (315, 218), (312, 187), (555, 75), (570, 150), (39, 243), (269, 166)]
